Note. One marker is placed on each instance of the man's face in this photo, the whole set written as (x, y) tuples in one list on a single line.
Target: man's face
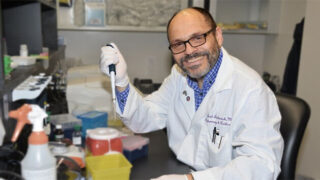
[(195, 61)]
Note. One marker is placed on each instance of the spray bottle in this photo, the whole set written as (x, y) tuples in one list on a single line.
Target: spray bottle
[(38, 163)]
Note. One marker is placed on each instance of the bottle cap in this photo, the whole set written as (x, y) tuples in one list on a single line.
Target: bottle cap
[(23, 46), (77, 127), (103, 133), (58, 126)]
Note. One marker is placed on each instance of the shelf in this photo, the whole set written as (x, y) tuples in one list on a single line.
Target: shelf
[(49, 4), (29, 22), (248, 31), (113, 28), (20, 73), (231, 12), (154, 29), (12, 3)]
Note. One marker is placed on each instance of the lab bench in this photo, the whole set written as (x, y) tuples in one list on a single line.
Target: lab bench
[(160, 160)]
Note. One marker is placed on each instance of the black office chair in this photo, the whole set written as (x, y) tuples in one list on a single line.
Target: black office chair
[(295, 114)]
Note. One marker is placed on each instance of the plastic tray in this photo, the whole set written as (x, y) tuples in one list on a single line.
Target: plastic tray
[(92, 120), (135, 147), (108, 167)]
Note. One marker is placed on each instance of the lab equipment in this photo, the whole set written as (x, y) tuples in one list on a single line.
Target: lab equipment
[(58, 133), (102, 141), (10, 158), (38, 163), (23, 60), (112, 71), (2, 131), (24, 50), (85, 87), (58, 147), (67, 168), (7, 65), (113, 166), (31, 87), (135, 147), (76, 136), (92, 120), (77, 154), (67, 121)]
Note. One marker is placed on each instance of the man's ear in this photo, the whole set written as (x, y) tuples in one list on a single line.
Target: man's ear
[(219, 36)]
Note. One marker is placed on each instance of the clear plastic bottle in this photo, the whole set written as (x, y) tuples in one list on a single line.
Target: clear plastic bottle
[(23, 50), (38, 163), (58, 133), (76, 136)]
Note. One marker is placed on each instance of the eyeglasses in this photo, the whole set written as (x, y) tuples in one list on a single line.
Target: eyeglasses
[(195, 41)]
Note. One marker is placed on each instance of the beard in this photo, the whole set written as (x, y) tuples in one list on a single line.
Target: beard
[(210, 58)]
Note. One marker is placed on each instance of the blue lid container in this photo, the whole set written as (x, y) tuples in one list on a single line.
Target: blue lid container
[(92, 120), (135, 147)]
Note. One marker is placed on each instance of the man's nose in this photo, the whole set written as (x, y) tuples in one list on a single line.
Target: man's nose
[(189, 48)]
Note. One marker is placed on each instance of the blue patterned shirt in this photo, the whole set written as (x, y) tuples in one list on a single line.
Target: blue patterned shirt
[(122, 97), (199, 94), (208, 81)]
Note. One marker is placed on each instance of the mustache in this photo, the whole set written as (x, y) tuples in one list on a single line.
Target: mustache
[(194, 55)]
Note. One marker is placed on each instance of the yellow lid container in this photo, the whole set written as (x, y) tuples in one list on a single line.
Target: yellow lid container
[(108, 167)]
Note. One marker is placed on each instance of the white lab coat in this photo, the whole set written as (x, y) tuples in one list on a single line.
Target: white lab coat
[(239, 104)]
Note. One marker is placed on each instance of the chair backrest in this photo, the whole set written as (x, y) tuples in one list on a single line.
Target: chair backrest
[(295, 114)]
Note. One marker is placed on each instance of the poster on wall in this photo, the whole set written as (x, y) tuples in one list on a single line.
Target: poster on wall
[(119, 14), (95, 12), (140, 12)]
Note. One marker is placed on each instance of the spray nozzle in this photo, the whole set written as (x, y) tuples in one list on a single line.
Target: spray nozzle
[(27, 114)]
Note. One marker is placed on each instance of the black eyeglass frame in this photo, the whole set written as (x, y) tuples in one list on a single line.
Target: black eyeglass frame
[(188, 41)]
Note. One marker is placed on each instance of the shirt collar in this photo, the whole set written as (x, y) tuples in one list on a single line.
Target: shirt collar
[(209, 78)]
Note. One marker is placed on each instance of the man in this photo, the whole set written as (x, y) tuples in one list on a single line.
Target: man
[(221, 118)]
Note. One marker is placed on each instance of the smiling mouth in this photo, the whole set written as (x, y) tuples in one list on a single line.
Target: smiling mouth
[(193, 61)]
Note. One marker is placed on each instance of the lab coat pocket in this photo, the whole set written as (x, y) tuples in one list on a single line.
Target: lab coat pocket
[(219, 151), (218, 142)]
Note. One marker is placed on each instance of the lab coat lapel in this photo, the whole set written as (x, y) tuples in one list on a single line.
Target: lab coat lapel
[(224, 78), (223, 82), (195, 140), (187, 98)]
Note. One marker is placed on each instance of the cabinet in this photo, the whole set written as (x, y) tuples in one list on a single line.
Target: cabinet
[(31, 22)]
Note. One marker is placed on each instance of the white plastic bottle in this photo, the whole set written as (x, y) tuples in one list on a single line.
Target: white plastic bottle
[(24, 50), (38, 163)]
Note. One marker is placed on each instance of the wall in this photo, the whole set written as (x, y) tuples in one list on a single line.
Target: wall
[(247, 47), (277, 46), (148, 57), (147, 53), (308, 89)]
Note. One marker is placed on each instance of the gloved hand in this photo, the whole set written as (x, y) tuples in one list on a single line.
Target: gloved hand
[(112, 55), (172, 177)]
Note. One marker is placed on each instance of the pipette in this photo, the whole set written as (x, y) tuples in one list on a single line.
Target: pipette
[(112, 71)]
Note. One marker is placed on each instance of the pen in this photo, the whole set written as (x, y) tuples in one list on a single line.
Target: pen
[(214, 135), (220, 142)]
